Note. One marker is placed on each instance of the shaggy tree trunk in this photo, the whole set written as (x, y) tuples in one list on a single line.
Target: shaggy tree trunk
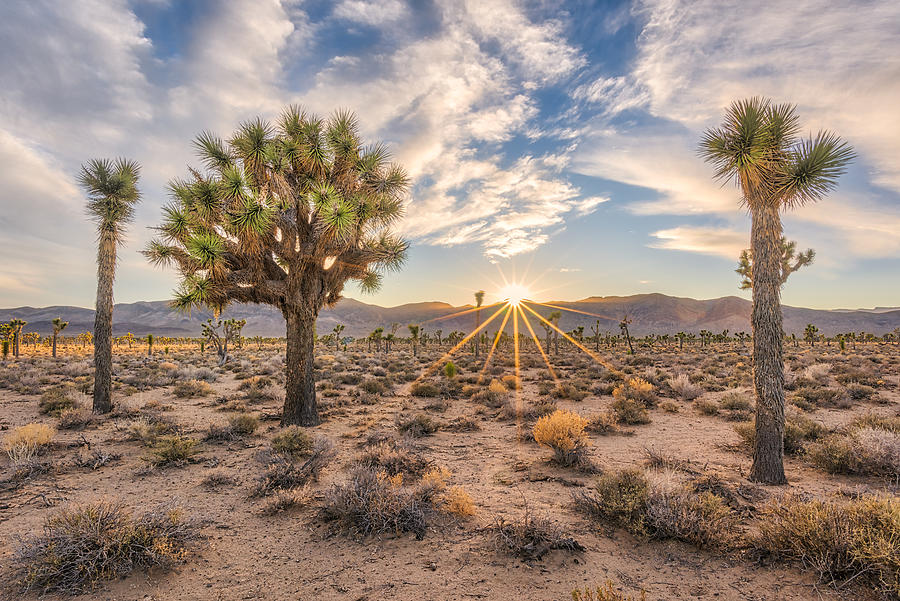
[(106, 269), (768, 364), (54, 345), (300, 385)]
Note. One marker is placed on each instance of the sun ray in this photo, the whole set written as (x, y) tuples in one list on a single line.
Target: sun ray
[(494, 345), (589, 352), (518, 385), (447, 355), (575, 311), (537, 343), (464, 312)]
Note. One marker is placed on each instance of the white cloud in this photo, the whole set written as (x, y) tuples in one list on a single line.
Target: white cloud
[(369, 12), (720, 242)]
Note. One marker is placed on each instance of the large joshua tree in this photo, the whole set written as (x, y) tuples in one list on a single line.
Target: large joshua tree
[(759, 148), (112, 192), (284, 215)]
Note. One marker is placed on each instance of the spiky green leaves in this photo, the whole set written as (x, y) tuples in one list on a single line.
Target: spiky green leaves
[(112, 192), (212, 151), (814, 168), (250, 221), (208, 250)]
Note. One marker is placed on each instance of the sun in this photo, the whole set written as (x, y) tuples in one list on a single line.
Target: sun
[(514, 293)]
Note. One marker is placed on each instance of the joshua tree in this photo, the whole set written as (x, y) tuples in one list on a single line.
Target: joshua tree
[(553, 318), (479, 299), (623, 325), (681, 336), (16, 326), (149, 345), (285, 216), (809, 334), (337, 335), (437, 337), (230, 329), (758, 148), (791, 261), (414, 338), (596, 330), (112, 192), (58, 326)]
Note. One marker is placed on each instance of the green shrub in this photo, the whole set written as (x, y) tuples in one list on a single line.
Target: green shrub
[(55, 401), (292, 441), (619, 498), (424, 389), (243, 424), (172, 450), (629, 411)]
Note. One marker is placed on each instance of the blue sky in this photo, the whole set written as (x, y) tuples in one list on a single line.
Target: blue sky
[(554, 143)]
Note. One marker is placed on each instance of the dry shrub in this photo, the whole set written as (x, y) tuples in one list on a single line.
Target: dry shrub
[(629, 411), (26, 442), (417, 426), (463, 423), (563, 432), (706, 407), (683, 388), (603, 423), (283, 500), (511, 382), (393, 457), (172, 451), (604, 593), (618, 498), (55, 401), (75, 419), (148, 430), (669, 407), (82, 546), (493, 396), (637, 389), (243, 424), (530, 538), (859, 538), (867, 451), (424, 389), (292, 441), (371, 503), (458, 502), (569, 391), (798, 429), (283, 474), (190, 389)]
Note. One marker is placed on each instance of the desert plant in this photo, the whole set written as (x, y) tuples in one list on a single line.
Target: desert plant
[(564, 433), (757, 147), (58, 326), (604, 593), (637, 389), (285, 216), (83, 545), (171, 450), (112, 192), (531, 537), (683, 388), (55, 401), (629, 411), (24, 442), (282, 473), (293, 441)]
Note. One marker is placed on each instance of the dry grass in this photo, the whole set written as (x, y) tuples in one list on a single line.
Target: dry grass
[(564, 433)]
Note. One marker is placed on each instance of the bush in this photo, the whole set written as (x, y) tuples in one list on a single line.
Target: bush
[(669, 407), (75, 419), (735, 401), (81, 546), (424, 389), (707, 407), (852, 539), (54, 402), (394, 458), (373, 386), (568, 391), (605, 593), (458, 502), (684, 389), (292, 441), (27, 441), (417, 426), (619, 498), (282, 500), (375, 503), (492, 396), (639, 390), (531, 538), (172, 450), (603, 423), (867, 451), (191, 389), (797, 430), (630, 411), (563, 432), (283, 474)]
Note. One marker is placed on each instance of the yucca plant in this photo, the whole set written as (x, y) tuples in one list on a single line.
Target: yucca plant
[(58, 326), (284, 215), (759, 148), (112, 192)]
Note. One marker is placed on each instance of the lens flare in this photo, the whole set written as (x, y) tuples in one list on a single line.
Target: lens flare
[(514, 294)]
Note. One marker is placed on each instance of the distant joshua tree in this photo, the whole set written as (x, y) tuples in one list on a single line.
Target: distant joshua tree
[(414, 338), (337, 335), (791, 261), (58, 326), (285, 216), (479, 299), (809, 334), (220, 333), (112, 190), (16, 326), (759, 148), (623, 325)]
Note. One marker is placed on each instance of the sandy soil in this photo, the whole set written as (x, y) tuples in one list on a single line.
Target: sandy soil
[(295, 555)]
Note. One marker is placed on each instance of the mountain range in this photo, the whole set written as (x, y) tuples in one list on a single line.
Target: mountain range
[(650, 313)]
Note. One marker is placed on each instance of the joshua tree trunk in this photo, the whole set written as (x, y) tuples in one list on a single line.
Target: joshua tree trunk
[(768, 365), (300, 385), (54, 344), (106, 267)]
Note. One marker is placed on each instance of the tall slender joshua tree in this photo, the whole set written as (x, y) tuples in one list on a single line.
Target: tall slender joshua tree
[(758, 147), (284, 216), (112, 192), (58, 326), (479, 300)]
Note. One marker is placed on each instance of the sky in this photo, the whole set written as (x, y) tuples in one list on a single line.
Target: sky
[(549, 143)]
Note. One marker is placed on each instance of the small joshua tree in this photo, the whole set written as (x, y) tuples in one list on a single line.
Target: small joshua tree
[(58, 326), (414, 338), (623, 325), (16, 326), (284, 215), (809, 334), (221, 333), (337, 335)]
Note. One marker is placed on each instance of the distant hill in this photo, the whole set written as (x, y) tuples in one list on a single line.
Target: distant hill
[(650, 313)]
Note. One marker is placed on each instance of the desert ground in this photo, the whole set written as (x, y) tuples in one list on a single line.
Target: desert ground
[(504, 520)]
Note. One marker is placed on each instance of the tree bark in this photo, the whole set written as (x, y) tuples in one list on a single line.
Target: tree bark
[(768, 362), (106, 269), (300, 384)]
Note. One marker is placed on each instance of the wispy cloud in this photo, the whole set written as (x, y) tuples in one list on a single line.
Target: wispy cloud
[(720, 242)]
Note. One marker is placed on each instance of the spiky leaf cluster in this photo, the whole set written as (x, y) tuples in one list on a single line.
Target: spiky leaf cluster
[(791, 261), (283, 214)]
